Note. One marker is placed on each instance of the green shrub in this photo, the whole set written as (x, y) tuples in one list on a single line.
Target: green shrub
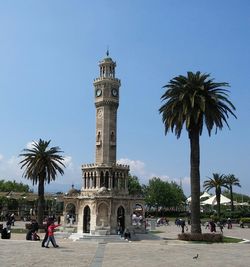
[(232, 215), (215, 218), (245, 220), (206, 237)]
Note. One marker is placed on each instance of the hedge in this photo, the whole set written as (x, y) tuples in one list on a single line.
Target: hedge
[(206, 237)]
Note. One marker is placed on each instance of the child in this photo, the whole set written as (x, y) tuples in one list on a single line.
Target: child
[(51, 237)]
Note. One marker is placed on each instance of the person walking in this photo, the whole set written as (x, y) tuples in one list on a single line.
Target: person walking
[(51, 237), (49, 221), (183, 224), (229, 223)]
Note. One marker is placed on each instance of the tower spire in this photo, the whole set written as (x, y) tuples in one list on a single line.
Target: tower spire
[(107, 52)]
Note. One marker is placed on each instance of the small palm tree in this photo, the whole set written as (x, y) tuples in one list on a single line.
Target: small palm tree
[(231, 181), (41, 166), (193, 101), (217, 182)]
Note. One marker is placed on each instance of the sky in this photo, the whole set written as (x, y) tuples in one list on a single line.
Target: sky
[(49, 54)]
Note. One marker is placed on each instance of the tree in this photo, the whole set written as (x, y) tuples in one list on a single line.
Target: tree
[(177, 195), (237, 196), (134, 187), (217, 182), (195, 100), (41, 166), (7, 186), (231, 181), (163, 194), (155, 193)]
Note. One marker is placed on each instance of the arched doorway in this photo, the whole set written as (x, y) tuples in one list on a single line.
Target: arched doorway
[(121, 219), (71, 213), (86, 220)]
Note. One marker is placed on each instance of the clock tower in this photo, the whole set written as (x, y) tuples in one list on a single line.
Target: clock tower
[(105, 173), (104, 203), (106, 88)]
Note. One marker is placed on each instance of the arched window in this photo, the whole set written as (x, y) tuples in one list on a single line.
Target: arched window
[(94, 180), (113, 180), (102, 181), (107, 179)]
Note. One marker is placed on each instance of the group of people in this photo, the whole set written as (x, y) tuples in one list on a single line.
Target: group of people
[(211, 225), (162, 221), (49, 232), (32, 233)]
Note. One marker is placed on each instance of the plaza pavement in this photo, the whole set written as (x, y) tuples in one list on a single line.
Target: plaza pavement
[(150, 250)]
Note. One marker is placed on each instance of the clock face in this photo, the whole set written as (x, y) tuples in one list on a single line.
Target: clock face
[(98, 92), (114, 92)]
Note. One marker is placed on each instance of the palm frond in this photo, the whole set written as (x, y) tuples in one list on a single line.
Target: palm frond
[(195, 100)]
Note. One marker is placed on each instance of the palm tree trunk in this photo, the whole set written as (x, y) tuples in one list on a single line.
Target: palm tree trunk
[(232, 199), (41, 202), (218, 203), (195, 181)]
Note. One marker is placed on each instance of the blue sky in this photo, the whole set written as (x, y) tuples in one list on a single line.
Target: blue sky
[(49, 54)]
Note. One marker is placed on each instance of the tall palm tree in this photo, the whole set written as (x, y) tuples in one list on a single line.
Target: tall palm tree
[(41, 166), (195, 100), (231, 181), (217, 182)]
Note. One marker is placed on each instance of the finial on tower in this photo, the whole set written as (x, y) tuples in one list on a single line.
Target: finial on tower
[(107, 53)]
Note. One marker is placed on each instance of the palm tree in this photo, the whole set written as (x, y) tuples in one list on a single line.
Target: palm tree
[(218, 181), (41, 166), (195, 100), (231, 181)]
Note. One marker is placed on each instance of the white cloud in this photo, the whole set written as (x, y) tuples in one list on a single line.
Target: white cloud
[(10, 169), (163, 177), (72, 173), (68, 162), (186, 181), (29, 145), (137, 167)]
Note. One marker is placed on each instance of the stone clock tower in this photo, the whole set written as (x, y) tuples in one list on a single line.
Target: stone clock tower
[(104, 204), (106, 101)]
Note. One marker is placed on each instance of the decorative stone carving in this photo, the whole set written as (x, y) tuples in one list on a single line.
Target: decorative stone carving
[(103, 190)]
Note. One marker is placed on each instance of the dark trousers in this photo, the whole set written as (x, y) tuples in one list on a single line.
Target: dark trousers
[(46, 238)]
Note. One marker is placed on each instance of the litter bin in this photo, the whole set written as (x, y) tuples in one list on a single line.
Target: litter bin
[(152, 224)]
